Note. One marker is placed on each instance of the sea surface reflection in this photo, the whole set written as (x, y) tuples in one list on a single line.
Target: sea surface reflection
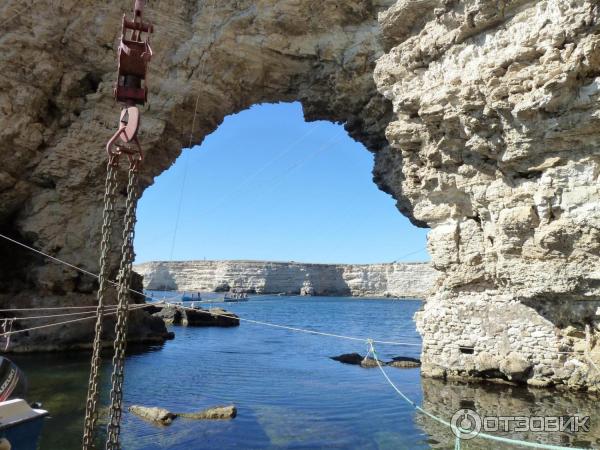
[(289, 393)]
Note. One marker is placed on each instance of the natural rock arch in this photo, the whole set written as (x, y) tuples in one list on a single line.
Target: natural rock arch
[(209, 62), (485, 130)]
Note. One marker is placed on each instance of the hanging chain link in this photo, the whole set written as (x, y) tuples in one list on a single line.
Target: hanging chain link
[(91, 407), (124, 278)]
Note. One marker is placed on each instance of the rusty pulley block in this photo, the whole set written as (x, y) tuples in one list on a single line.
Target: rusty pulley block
[(131, 88)]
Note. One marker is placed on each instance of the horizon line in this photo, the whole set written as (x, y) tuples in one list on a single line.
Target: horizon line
[(277, 262)]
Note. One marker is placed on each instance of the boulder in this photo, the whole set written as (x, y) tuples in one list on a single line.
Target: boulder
[(198, 317), (349, 358), (369, 363), (404, 362), (171, 314), (161, 416), (515, 367), (357, 360), (153, 414), (216, 413), (307, 291)]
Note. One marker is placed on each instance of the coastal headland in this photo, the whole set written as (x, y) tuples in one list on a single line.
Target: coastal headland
[(410, 280)]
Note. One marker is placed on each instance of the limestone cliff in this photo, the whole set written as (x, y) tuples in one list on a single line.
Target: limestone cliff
[(483, 116), (496, 129), (265, 277)]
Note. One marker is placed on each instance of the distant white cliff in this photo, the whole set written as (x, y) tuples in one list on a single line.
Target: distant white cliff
[(265, 277)]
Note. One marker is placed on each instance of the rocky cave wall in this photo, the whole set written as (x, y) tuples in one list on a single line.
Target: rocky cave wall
[(496, 131), (57, 112), (482, 115)]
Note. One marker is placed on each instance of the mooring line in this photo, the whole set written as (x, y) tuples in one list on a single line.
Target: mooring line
[(48, 325), (456, 429), (65, 263), (301, 330), (186, 164), (50, 316), (79, 269)]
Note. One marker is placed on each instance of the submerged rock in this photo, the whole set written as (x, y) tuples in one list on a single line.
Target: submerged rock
[(349, 358), (216, 413), (369, 363), (159, 416), (357, 360), (404, 362), (215, 317)]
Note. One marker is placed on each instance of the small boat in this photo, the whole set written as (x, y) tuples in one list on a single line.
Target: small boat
[(191, 297), (235, 296), (20, 424)]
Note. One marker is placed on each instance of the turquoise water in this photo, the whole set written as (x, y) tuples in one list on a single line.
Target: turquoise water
[(288, 392)]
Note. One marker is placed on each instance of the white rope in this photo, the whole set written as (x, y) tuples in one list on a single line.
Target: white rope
[(60, 261), (301, 330), (185, 167), (448, 424), (50, 316), (133, 308), (79, 269), (47, 308)]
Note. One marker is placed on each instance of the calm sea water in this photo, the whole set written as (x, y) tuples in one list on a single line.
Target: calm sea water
[(288, 392)]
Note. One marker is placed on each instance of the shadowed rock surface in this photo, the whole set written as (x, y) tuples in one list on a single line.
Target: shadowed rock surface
[(213, 317), (358, 360)]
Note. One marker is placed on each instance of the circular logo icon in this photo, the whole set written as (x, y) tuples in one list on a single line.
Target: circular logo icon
[(466, 424)]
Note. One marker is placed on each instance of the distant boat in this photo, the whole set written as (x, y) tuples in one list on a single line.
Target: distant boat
[(191, 297), (235, 296)]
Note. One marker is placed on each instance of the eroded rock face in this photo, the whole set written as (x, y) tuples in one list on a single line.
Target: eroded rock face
[(495, 130), (483, 116), (267, 277)]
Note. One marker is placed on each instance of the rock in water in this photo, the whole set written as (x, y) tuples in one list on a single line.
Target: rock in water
[(404, 362), (216, 413), (153, 414), (349, 358), (357, 360), (215, 317), (370, 363)]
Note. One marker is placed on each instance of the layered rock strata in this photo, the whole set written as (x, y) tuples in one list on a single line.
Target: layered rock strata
[(494, 145), (264, 277)]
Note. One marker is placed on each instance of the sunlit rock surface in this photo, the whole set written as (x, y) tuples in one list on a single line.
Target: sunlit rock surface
[(265, 277), (496, 130), (482, 114)]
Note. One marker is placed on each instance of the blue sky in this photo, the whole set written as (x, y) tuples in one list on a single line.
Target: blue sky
[(266, 185)]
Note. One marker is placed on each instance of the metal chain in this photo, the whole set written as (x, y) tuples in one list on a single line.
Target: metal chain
[(116, 393), (91, 408)]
